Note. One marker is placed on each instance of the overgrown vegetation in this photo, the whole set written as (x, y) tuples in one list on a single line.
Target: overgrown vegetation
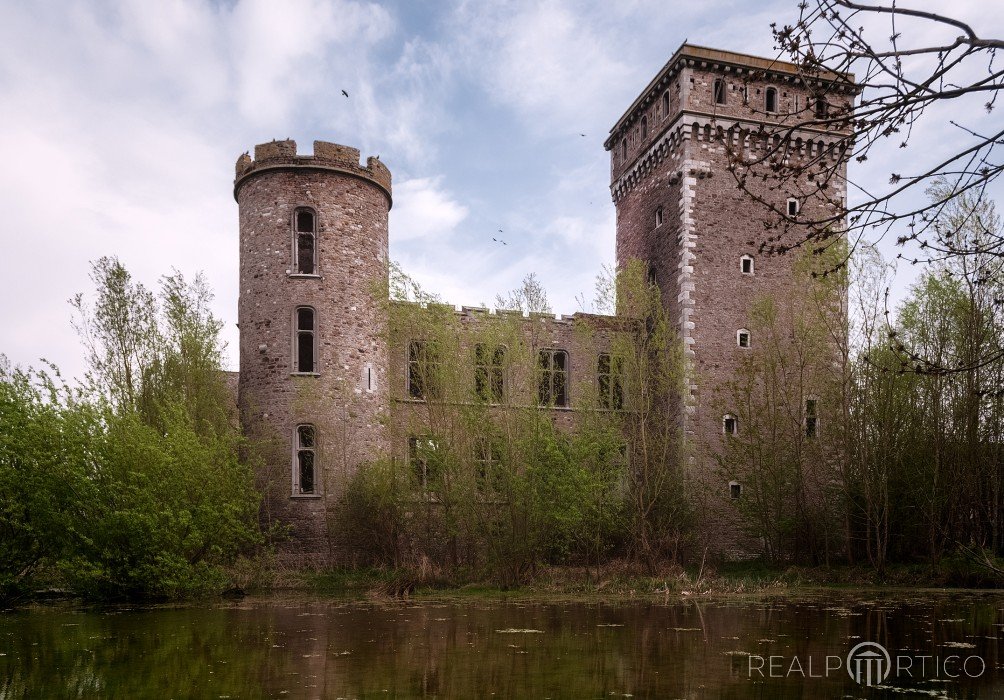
[(128, 485)]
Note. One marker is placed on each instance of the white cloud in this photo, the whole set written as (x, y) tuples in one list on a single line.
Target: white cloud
[(424, 210)]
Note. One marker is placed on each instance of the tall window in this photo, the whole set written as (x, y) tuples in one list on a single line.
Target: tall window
[(489, 373), (658, 216), (423, 370), (624, 150), (730, 424), (770, 100), (644, 128), (552, 367), (304, 359), (822, 108), (665, 104), (811, 418), (426, 461), (488, 458), (793, 207), (719, 91), (610, 376), (304, 468), (306, 242), (746, 264)]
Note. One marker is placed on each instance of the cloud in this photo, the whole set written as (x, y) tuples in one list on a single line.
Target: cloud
[(424, 210)]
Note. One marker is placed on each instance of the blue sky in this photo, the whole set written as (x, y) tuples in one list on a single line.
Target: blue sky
[(120, 122)]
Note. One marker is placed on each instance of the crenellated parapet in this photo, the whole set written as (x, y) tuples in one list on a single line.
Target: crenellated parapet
[(281, 155)]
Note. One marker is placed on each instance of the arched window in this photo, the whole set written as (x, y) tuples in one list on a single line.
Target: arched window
[(305, 252), (746, 264), (730, 424), (644, 128), (304, 341), (304, 460), (719, 91), (665, 104), (552, 378), (770, 100), (743, 338), (624, 149), (658, 216)]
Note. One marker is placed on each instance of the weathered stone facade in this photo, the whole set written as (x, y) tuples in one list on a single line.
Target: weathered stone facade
[(678, 209)]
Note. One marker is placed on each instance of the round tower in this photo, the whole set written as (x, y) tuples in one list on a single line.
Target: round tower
[(313, 392)]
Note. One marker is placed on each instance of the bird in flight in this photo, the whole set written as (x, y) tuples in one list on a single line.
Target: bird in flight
[(499, 240), (345, 93), (583, 135)]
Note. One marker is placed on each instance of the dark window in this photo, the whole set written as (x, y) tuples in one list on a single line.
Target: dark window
[(746, 265), (743, 338), (729, 424), (792, 207), (306, 447), (552, 367), (735, 489), (665, 104), (304, 339), (306, 249), (489, 373), (425, 458), (644, 128), (822, 108), (624, 149), (658, 216), (610, 376), (719, 91), (770, 101), (423, 370), (488, 458), (652, 279), (811, 419)]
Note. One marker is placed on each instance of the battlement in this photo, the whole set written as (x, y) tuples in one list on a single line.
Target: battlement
[(281, 155)]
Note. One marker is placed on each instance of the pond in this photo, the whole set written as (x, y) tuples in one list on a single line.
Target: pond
[(938, 644)]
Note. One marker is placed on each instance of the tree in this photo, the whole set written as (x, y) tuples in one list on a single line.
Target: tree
[(904, 64)]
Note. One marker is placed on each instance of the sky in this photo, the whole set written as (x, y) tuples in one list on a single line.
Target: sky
[(120, 123)]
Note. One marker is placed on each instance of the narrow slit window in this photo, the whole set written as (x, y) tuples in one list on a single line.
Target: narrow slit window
[(743, 338), (304, 468), (719, 91), (644, 128), (610, 377), (770, 100), (306, 242), (730, 425), (305, 336), (665, 104), (489, 373), (552, 369), (811, 418), (624, 149), (746, 264), (658, 216)]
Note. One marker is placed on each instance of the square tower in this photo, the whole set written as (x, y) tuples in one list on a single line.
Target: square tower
[(707, 241)]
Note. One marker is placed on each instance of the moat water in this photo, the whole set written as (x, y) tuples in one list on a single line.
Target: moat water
[(757, 647)]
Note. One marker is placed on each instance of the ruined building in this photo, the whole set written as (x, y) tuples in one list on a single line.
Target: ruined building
[(324, 383)]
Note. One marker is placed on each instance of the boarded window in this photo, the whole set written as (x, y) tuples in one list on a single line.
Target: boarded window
[(489, 373), (306, 242), (305, 466), (423, 370), (610, 377), (552, 368), (304, 359), (719, 91)]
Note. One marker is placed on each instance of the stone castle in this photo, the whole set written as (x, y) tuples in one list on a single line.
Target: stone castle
[(325, 382)]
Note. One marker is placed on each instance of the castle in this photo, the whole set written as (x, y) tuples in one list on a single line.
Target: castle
[(323, 376)]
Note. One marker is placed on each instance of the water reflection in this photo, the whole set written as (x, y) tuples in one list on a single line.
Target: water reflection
[(324, 649)]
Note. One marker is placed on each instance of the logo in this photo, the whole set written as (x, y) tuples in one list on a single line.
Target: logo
[(868, 663)]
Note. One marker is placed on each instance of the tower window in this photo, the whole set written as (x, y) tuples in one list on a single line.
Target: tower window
[(743, 338), (552, 376), (746, 264), (793, 207), (653, 280), (735, 490), (811, 418), (822, 108), (770, 100), (306, 242), (624, 150), (369, 378), (658, 216), (423, 370), (730, 425), (665, 104), (305, 464), (719, 91), (489, 373), (305, 340), (610, 377), (644, 128)]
